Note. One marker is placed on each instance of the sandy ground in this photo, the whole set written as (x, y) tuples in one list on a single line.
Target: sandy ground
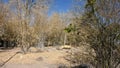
[(51, 57)]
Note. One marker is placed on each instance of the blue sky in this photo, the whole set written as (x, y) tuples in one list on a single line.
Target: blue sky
[(63, 6), (60, 6)]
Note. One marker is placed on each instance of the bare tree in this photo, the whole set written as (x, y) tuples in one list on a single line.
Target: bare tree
[(28, 13), (56, 27), (100, 25)]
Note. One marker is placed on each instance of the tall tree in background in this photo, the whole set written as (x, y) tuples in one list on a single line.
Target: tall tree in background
[(27, 14), (4, 20), (40, 21), (56, 27)]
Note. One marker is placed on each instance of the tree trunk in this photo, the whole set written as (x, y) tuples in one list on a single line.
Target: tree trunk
[(65, 39)]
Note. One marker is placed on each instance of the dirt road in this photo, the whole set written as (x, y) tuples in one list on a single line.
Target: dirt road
[(49, 58)]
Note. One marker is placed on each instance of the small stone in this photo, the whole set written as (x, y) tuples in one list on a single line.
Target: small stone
[(40, 59)]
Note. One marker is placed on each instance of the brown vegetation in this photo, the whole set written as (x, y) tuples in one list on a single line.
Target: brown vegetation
[(26, 24)]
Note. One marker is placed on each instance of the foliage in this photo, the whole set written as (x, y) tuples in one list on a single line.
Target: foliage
[(102, 30), (27, 24), (70, 28), (55, 30)]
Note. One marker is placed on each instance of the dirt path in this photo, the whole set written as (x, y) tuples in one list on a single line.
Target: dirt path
[(49, 58)]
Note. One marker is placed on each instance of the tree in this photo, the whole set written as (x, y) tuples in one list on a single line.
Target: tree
[(69, 34), (30, 15), (101, 25), (6, 31), (40, 24), (56, 27)]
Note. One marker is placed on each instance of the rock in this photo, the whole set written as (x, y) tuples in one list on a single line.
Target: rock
[(40, 59), (66, 47)]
